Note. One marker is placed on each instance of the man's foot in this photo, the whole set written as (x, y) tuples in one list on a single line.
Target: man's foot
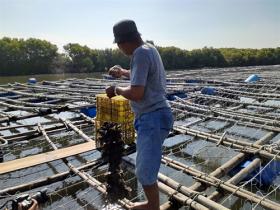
[(140, 206)]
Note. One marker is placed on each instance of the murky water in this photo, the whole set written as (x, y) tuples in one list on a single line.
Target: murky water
[(48, 77)]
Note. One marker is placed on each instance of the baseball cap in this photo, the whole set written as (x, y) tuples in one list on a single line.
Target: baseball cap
[(125, 31)]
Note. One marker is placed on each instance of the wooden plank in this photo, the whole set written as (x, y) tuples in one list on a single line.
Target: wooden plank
[(34, 160)]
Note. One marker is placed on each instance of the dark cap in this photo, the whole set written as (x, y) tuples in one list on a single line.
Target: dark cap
[(125, 31)]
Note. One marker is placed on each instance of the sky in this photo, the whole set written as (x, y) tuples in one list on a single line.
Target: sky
[(187, 24)]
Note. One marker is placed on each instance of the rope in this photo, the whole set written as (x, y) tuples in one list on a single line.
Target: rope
[(4, 142)]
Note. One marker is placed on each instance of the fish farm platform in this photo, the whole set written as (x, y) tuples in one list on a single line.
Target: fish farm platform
[(223, 151)]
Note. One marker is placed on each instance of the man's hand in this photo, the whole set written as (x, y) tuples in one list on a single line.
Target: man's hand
[(110, 91), (33, 207), (116, 71)]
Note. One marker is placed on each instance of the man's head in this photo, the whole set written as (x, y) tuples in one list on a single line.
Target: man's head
[(127, 36)]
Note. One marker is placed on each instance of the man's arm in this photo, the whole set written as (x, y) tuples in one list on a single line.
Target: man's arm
[(117, 71), (134, 93), (126, 73)]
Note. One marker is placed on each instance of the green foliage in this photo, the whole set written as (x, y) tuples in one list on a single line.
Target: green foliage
[(21, 57), (84, 59), (34, 56)]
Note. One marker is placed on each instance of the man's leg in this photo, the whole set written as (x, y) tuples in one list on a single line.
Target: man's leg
[(152, 194), (151, 133)]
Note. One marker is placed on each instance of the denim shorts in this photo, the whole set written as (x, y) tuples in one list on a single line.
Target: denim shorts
[(152, 128)]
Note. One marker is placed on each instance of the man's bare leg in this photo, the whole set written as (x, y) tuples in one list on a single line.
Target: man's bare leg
[(152, 194)]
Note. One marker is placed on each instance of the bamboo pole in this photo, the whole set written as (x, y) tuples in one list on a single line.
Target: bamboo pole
[(53, 129), (222, 170), (239, 84), (44, 133), (231, 95), (244, 172), (236, 92), (210, 116), (233, 162), (182, 199), (14, 118), (31, 109), (262, 121), (89, 179), (190, 193), (253, 118), (168, 206), (22, 103), (33, 134), (16, 126), (101, 187), (58, 90), (210, 180), (243, 146), (255, 90), (77, 130), (49, 179), (195, 95), (44, 96), (239, 176), (55, 178), (29, 161), (89, 119)]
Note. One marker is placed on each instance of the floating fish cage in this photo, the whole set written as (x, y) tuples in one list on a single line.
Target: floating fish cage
[(223, 152)]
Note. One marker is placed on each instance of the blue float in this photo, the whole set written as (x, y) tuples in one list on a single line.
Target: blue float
[(172, 96), (208, 91), (89, 111), (108, 77), (253, 78), (32, 80), (193, 81), (7, 94), (168, 81)]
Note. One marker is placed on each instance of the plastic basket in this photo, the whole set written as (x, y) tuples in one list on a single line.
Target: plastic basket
[(117, 110)]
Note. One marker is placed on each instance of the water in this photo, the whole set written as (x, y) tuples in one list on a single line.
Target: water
[(48, 77)]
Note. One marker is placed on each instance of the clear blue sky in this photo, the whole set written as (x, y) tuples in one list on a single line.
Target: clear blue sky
[(187, 24)]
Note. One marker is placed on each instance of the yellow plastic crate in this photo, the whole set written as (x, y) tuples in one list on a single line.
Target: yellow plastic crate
[(116, 109), (121, 111), (103, 108)]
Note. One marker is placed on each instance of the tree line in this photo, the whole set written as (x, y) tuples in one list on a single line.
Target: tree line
[(35, 56)]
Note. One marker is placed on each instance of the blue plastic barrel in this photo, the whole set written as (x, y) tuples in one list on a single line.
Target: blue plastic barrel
[(89, 111), (208, 91), (32, 80), (266, 175), (253, 78)]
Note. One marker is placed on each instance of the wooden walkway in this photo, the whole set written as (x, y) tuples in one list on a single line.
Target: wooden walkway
[(34, 160)]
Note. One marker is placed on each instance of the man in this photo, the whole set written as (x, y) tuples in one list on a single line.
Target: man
[(153, 116)]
